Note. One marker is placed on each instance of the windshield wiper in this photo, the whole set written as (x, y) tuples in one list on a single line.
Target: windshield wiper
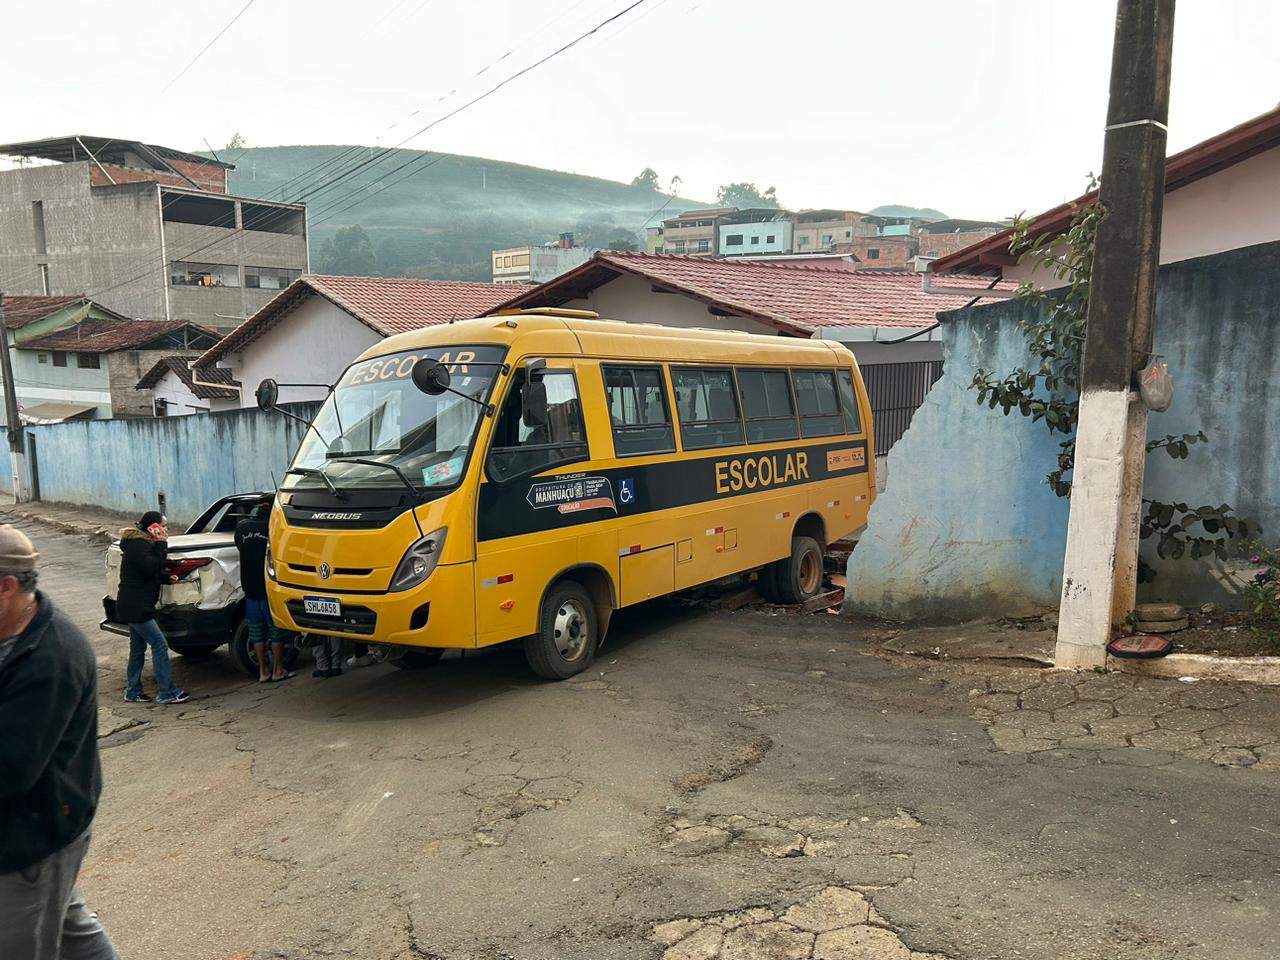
[(386, 466), (315, 472)]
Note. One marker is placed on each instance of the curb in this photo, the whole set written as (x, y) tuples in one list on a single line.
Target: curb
[(1202, 666), (96, 534)]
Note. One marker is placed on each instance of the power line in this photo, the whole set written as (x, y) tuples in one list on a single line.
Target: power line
[(372, 160), (205, 48), (375, 159), (490, 92)]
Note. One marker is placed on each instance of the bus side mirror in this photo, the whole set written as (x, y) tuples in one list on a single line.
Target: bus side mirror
[(431, 376), (267, 395)]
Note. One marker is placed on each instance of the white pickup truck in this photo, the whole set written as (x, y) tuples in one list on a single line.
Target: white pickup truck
[(205, 608)]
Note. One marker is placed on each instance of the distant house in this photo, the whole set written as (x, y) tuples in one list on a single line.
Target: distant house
[(885, 318), (312, 330), (89, 370), (538, 264), (941, 237), (754, 231), (817, 231), (693, 232), (176, 391)]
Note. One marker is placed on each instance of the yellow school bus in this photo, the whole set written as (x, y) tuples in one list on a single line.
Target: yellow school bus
[(522, 476)]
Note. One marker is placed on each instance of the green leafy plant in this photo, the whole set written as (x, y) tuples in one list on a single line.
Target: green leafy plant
[(1262, 592), (1048, 389)]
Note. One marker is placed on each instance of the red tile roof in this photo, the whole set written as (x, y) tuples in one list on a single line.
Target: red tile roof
[(106, 336), (180, 366), (1208, 157), (20, 311), (797, 298), (387, 305)]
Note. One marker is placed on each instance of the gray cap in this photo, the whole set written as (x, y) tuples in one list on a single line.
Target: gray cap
[(17, 552)]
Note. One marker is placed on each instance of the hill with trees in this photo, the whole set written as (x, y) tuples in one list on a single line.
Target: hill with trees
[(442, 214), (899, 210)]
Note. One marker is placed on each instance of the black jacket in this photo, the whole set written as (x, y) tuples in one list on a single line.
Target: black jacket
[(251, 540), (141, 574), (50, 779)]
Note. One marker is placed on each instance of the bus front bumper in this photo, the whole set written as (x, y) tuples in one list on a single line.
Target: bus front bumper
[(437, 613)]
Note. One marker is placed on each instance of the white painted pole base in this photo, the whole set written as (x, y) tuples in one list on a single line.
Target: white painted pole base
[(1088, 570), (1135, 465)]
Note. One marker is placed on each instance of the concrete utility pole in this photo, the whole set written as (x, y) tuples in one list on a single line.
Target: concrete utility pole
[(1106, 491), (13, 422)]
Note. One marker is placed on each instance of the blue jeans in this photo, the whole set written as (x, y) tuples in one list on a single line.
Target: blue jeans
[(141, 636)]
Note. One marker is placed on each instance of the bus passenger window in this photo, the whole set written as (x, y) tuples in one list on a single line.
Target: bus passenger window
[(766, 403), (849, 403), (708, 407), (540, 426), (637, 401), (816, 399)]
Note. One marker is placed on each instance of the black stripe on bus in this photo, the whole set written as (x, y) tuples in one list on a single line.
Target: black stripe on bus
[(550, 502)]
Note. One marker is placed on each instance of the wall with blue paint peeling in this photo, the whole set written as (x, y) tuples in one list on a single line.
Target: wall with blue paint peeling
[(125, 464), (966, 526)]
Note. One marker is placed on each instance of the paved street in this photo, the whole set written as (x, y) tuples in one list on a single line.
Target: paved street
[(744, 785)]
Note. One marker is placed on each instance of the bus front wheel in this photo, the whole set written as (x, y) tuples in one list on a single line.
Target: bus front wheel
[(798, 577), (565, 643)]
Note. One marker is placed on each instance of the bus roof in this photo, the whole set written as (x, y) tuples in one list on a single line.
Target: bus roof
[(539, 334)]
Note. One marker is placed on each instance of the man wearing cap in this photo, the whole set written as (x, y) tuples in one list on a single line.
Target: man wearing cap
[(50, 778)]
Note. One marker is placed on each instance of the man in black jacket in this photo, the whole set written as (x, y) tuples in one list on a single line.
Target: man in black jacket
[(144, 548), (50, 778)]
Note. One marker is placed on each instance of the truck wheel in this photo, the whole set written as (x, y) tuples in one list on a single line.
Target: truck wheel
[(417, 659), (799, 576), (193, 651), (241, 650), (246, 658), (565, 643)]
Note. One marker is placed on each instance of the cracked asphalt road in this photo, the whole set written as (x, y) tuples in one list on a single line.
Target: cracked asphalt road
[(721, 785)]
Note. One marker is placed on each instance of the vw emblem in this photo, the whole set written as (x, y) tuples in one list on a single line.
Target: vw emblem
[(324, 571)]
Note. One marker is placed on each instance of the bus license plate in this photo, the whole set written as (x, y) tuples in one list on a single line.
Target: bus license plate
[(324, 606)]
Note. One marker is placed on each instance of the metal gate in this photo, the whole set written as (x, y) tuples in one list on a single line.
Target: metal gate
[(895, 391)]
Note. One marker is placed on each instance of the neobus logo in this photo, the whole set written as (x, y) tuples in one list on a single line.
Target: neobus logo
[(748, 473)]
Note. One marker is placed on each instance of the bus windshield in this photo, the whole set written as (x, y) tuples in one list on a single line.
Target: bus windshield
[(376, 413)]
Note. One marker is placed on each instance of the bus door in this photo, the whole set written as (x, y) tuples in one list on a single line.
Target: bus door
[(534, 493)]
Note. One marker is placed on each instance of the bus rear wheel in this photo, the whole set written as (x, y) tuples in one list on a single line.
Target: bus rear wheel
[(798, 577), (565, 643)]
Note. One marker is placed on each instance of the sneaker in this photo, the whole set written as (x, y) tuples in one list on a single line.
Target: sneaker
[(136, 698), (364, 661), (178, 696)]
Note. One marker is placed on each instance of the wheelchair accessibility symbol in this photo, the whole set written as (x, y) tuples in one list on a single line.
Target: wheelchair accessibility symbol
[(626, 491)]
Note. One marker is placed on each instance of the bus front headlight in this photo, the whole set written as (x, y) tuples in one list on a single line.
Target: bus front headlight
[(419, 560), (271, 566)]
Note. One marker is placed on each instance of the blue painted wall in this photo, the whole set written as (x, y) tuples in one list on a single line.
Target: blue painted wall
[(966, 526), (124, 464)]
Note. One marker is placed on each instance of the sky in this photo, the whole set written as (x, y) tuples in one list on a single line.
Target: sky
[(981, 109)]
